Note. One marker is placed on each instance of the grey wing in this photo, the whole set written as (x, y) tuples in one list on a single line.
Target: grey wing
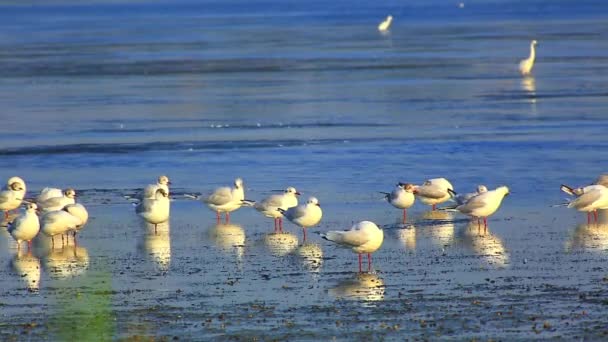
[(353, 237), (144, 206), (295, 212), (14, 224), (220, 196), (51, 202), (430, 192), (472, 204), (273, 201), (585, 199), (149, 191)]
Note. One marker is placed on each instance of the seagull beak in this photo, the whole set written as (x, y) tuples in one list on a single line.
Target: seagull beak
[(298, 194), (319, 205)]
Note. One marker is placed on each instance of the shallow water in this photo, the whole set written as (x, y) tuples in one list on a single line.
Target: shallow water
[(106, 98)]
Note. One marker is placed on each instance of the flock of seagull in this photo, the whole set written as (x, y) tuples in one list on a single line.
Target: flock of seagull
[(55, 212)]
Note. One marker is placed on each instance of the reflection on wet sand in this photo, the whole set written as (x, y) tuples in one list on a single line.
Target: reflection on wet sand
[(407, 237), (485, 244), (442, 232), (157, 245), (311, 256), (364, 286), (589, 237), (281, 244), (230, 239), (27, 267), (68, 261)]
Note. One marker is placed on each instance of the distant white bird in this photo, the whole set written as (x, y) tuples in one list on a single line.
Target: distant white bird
[(363, 237), (592, 198), (526, 65), (58, 222), (58, 203), (226, 200), (155, 210), (484, 204), (12, 195), (304, 215), (150, 190), (269, 206), (402, 197), (386, 24), (463, 198), (25, 227), (47, 193), (434, 191)]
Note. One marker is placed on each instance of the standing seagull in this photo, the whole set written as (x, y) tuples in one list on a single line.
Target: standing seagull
[(363, 237), (155, 210), (402, 197), (81, 213), (593, 198), (526, 65), (304, 215), (225, 199), (25, 227), (58, 222), (484, 204), (602, 180), (384, 26), (12, 195), (434, 191), (269, 206)]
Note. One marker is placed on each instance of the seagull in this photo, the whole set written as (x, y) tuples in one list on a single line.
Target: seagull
[(162, 183), (363, 237), (155, 210), (526, 65), (463, 198), (593, 198), (602, 180), (402, 197), (434, 191), (304, 215), (12, 195), (81, 213), (25, 227), (225, 199), (270, 205), (58, 203), (484, 204), (58, 222), (384, 26)]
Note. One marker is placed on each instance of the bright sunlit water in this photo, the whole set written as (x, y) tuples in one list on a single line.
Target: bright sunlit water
[(106, 97)]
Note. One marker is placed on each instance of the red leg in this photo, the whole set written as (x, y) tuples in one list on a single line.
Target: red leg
[(595, 215), (304, 230), (369, 262), (217, 217), (360, 264), (588, 217), (155, 226), (485, 222), (281, 224), (29, 245), (434, 206), (227, 217)]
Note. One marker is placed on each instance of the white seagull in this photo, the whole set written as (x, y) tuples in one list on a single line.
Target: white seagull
[(25, 227), (58, 203), (225, 199), (363, 237), (526, 65), (12, 195), (269, 206), (484, 204), (592, 198), (81, 213), (304, 215), (58, 222), (602, 180), (402, 197), (155, 210), (434, 191), (384, 26)]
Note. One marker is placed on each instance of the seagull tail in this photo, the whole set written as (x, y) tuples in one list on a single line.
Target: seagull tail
[(449, 208), (281, 210), (567, 189), (191, 196), (332, 236), (248, 203), (452, 193), (386, 194)]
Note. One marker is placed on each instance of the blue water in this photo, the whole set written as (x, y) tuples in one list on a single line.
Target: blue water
[(104, 97)]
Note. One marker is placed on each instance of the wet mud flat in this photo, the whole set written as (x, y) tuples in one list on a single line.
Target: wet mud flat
[(438, 276)]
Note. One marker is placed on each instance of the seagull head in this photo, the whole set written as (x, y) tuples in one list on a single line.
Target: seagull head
[(313, 201), (32, 207), (164, 180), (69, 193), (238, 183), (292, 190), (534, 42), (481, 189), (504, 190)]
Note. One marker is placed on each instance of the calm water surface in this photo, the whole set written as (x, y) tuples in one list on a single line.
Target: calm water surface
[(106, 97)]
